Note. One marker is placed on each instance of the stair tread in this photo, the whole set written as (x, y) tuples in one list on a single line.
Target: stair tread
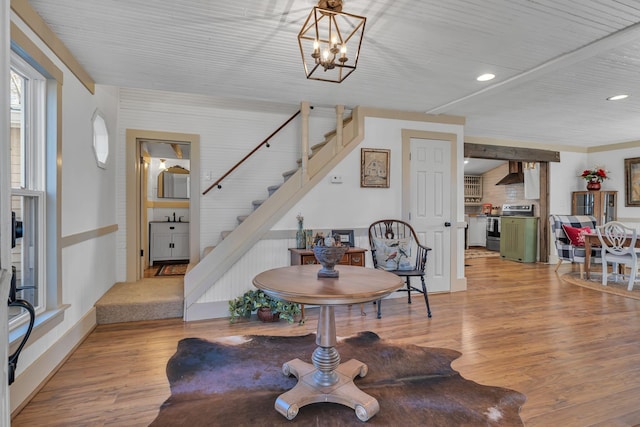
[(319, 145), (314, 150), (214, 271), (346, 120), (288, 173)]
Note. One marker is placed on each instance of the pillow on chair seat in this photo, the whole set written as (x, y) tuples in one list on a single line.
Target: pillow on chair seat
[(393, 254), (576, 234)]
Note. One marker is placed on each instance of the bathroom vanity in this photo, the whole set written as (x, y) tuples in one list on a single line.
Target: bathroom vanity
[(168, 241)]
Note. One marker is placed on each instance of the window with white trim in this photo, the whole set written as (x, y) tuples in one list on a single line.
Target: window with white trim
[(28, 129)]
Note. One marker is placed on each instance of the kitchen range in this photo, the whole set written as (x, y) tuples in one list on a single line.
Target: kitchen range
[(493, 223)]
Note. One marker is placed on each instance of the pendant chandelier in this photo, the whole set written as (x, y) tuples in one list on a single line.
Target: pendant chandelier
[(330, 42)]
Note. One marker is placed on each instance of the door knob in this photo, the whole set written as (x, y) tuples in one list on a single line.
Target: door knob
[(447, 224)]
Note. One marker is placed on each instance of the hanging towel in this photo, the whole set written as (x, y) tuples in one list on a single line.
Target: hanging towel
[(532, 182)]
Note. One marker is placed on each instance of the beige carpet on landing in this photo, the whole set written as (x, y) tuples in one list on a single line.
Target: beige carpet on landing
[(149, 299), (595, 283)]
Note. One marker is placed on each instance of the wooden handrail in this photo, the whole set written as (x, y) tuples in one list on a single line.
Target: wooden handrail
[(265, 142)]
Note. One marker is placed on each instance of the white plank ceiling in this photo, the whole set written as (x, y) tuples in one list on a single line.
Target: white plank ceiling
[(556, 61)]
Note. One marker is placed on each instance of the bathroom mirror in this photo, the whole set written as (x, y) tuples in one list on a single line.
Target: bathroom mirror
[(173, 183)]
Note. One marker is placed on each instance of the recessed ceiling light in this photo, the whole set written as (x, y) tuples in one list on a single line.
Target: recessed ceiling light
[(617, 97), (486, 77)]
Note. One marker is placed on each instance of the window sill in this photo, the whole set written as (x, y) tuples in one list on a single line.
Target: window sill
[(44, 323)]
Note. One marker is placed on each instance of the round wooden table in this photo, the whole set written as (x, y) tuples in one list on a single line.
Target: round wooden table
[(326, 380)]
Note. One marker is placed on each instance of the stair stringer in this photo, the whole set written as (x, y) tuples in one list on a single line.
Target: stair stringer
[(215, 264)]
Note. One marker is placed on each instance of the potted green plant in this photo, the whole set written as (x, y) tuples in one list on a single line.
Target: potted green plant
[(256, 300)]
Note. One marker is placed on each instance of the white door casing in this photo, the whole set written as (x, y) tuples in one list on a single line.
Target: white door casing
[(133, 228)]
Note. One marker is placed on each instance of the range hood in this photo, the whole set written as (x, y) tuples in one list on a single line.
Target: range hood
[(515, 175)]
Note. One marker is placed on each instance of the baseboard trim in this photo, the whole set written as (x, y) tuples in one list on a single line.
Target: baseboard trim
[(207, 310), (29, 382)]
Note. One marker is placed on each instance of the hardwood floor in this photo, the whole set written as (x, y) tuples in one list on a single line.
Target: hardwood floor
[(574, 352), (151, 271)]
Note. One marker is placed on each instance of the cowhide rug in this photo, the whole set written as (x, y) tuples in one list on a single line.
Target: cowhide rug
[(235, 382)]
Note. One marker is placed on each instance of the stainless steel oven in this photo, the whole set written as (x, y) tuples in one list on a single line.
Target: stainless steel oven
[(493, 223)]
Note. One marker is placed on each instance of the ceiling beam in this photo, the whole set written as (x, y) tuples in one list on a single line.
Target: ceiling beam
[(498, 152), (177, 149)]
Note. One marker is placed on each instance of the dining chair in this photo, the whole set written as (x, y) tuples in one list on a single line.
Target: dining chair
[(392, 242), (618, 247)]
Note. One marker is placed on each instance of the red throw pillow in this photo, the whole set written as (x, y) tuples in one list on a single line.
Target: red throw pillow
[(575, 234)]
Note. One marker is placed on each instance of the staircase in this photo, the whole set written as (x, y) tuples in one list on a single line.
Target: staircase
[(286, 175), (296, 183)]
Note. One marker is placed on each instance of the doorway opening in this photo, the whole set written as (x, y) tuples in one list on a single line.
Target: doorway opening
[(520, 154), (165, 194), (163, 200)]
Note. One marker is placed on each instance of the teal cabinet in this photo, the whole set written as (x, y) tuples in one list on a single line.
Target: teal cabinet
[(519, 238)]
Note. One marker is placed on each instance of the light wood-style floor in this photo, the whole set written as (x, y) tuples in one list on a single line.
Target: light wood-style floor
[(150, 272), (574, 352)]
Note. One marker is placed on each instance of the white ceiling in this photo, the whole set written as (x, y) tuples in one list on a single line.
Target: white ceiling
[(480, 166), (167, 149), (555, 60)]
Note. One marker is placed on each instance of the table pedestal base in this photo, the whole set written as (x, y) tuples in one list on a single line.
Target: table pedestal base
[(343, 391)]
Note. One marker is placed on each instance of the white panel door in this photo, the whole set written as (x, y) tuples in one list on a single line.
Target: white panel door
[(430, 206)]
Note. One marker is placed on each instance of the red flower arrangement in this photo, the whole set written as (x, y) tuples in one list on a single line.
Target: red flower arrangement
[(595, 175)]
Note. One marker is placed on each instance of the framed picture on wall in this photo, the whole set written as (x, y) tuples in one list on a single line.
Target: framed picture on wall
[(345, 236), (632, 181), (374, 167)]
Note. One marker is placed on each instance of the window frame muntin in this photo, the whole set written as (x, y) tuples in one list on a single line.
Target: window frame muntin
[(32, 171)]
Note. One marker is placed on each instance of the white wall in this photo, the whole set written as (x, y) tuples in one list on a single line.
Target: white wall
[(613, 161), (347, 205), (87, 204), (563, 179), (88, 191), (228, 131), (338, 206)]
